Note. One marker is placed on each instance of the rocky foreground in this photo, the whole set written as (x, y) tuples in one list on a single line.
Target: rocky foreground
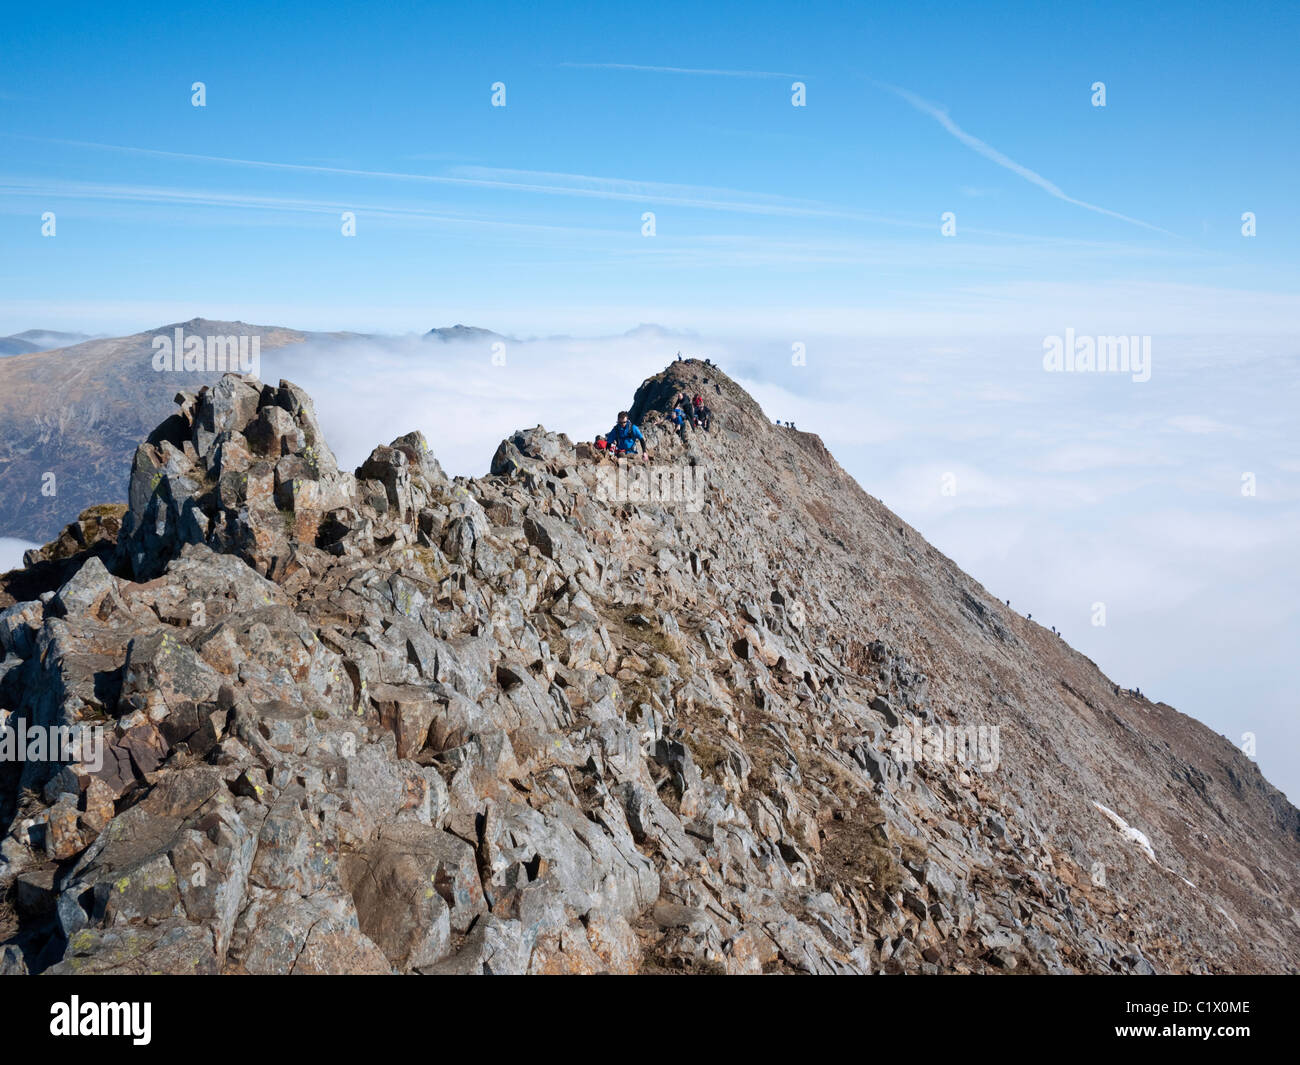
[(545, 721)]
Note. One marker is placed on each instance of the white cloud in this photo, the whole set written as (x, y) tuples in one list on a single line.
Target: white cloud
[(368, 392), (1195, 423), (1078, 457)]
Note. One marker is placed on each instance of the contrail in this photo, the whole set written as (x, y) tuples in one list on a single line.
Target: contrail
[(992, 154), (544, 182)]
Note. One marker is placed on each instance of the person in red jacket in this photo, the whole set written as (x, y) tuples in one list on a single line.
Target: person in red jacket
[(700, 412)]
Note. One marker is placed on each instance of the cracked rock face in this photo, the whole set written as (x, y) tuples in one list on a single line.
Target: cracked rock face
[(558, 720)]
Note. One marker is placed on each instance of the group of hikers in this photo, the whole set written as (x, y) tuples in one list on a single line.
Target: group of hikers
[(625, 436), (696, 411), (1055, 631), (707, 362)]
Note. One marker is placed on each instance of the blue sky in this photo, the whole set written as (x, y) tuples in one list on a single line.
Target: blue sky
[(774, 225), (529, 216)]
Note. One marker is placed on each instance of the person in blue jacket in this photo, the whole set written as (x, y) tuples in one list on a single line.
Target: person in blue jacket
[(624, 436)]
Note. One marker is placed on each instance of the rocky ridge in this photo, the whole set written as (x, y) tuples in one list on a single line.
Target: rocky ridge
[(387, 721)]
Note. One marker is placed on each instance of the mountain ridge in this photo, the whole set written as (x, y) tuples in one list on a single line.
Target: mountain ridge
[(620, 733), (77, 412)]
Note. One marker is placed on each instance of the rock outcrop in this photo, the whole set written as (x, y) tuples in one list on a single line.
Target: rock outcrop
[(70, 419), (574, 718)]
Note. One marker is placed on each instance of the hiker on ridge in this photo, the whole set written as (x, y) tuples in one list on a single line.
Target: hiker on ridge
[(700, 411), (683, 403), (678, 418), (624, 436)]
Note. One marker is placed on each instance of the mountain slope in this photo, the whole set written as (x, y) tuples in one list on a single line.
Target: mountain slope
[(616, 725), (78, 412), (15, 345)]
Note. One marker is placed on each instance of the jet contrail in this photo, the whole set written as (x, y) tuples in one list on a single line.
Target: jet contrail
[(992, 154)]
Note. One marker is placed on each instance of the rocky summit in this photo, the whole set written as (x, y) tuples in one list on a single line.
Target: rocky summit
[(717, 712)]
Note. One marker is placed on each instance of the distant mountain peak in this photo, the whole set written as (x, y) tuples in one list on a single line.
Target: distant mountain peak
[(655, 330), (459, 332), (38, 340)]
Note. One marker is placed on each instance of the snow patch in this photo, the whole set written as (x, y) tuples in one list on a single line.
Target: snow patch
[(1128, 831)]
